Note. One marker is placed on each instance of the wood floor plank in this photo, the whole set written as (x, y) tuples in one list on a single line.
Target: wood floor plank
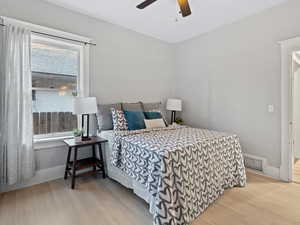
[(296, 175), (264, 201), (8, 207)]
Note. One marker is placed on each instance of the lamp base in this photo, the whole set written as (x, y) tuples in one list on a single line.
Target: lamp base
[(173, 117), (85, 137)]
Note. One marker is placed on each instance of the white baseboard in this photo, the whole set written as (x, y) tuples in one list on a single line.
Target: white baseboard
[(268, 170), (271, 171), (41, 176)]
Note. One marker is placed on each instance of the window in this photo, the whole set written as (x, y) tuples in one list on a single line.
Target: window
[(55, 66)]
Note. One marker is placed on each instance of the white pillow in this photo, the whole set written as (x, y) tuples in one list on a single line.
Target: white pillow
[(155, 123)]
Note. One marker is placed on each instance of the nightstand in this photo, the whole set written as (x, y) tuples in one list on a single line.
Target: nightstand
[(92, 162)]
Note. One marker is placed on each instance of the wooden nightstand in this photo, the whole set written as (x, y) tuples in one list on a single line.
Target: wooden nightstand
[(93, 162)]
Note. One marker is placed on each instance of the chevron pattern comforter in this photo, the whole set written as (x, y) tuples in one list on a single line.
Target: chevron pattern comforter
[(185, 169)]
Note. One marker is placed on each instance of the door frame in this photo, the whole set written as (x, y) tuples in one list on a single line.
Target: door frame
[(288, 47)]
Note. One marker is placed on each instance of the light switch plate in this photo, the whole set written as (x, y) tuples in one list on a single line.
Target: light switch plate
[(270, 108)]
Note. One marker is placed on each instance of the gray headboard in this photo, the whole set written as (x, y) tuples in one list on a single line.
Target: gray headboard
[(104, 118)]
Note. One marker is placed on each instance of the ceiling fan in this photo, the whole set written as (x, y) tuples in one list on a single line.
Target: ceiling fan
[(183, 4)]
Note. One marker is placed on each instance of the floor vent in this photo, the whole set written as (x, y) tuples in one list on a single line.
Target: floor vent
[(253, 162)]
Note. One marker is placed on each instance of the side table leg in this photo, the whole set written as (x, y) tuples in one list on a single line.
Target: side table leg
[(74, 168), (101, 160), (94, 155), (67, 163)]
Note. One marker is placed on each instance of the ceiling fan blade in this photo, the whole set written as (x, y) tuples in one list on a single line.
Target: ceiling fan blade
[(145, 4), (184, 7)]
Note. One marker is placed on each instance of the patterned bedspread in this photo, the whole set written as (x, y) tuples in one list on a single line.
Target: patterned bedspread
[(185, 169)]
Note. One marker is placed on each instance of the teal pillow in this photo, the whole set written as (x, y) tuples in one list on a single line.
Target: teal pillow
[(135, 120), (153, 115)]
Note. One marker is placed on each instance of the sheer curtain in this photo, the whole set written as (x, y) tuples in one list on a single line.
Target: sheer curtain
[(16, 150)]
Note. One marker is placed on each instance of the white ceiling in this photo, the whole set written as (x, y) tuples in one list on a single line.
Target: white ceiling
[(162, 19)]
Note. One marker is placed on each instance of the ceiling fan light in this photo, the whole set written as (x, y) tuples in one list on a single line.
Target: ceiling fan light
[(184, 7)]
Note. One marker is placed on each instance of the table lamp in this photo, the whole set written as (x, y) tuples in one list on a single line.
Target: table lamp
[(85, 106), (174, 105)]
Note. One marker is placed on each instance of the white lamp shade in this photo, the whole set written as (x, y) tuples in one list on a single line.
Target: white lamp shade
[(84, 105), (174, 105)]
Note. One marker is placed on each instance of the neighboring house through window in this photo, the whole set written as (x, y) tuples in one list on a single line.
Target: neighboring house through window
[(55, 66)]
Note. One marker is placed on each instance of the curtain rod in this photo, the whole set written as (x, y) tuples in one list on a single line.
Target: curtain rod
[(54, 36)]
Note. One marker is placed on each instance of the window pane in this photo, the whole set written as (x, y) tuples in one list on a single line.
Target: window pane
[(55, 69), (54, 59)]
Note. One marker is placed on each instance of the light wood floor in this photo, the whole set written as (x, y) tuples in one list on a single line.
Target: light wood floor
[(296, 175), (103, 202)]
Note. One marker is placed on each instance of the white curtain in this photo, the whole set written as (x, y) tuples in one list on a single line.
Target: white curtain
[(16, 143)]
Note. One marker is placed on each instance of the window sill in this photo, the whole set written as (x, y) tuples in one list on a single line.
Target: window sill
[(51, 139), (48, 143)]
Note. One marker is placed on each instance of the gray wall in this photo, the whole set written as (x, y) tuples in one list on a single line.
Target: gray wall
[(125, 66), (228, 77)]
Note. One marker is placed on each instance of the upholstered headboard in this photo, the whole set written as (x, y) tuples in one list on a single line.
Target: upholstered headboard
[(104, 118)]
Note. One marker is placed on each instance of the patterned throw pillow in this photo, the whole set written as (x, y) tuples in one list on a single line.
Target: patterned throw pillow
[(119, 120)]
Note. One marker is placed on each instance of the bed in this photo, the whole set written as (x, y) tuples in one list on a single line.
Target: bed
[(117, 174), (179, 170)]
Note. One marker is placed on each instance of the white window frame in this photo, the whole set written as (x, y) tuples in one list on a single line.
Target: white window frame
[(84, 75)]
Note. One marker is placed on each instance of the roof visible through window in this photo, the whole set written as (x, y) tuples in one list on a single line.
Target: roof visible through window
[(51, 58)]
